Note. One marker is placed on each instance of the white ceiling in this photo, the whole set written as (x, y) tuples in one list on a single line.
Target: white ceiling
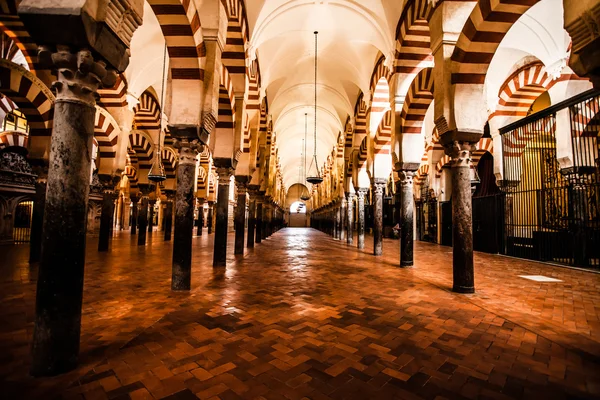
[(351, 35)]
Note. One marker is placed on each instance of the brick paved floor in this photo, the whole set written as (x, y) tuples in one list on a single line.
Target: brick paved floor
[(304, 316)]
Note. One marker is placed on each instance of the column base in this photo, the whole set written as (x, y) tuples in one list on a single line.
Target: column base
[(463, 289), (406, 264)]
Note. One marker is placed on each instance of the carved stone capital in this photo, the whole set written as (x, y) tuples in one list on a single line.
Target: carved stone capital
[(188, 150), (135, 197), (225, 174), (79, 75), (109, 183), (406, 177), (460, 153), (379, 186), (146, 189), (361, 192)]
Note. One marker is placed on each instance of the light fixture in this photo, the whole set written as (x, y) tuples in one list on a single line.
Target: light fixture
[(157, 170), (315, 178)]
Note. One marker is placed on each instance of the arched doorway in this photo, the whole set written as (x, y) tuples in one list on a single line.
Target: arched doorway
[(298, 215)]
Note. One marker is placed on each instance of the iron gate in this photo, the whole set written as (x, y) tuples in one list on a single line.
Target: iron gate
[(22, 226), (551, 207)]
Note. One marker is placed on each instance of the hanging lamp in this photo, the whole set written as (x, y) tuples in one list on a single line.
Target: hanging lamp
[(157, 170), (315, 178), (305, 195)]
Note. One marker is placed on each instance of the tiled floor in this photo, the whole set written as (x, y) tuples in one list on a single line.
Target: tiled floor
[(304, 316)]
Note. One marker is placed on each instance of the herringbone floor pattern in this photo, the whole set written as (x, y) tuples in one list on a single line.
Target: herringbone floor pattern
[(304, 316)]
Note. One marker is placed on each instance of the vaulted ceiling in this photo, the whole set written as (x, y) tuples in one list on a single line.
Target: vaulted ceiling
[(351, 36)]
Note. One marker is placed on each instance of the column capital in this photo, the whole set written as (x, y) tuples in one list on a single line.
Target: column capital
[(379, 185), (361, 192), (79, 76), (459, 152), (188, 149), (406, 177), (225, 174), (135, 197), (109, 182), (146, 189)]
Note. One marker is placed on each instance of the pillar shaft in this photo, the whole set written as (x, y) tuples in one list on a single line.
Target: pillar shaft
[(168, 219), (37, 220), (240, 220), (350, 224), (134, 213), (361, 218), (406, 218), (151, 204), (259, 221), (378, 187), (343, 219), (200, 218), (220, 246), (462, 225), (251, 222), (210, 217), (57, 324), (106, 220), (181, 273), (142, 221)]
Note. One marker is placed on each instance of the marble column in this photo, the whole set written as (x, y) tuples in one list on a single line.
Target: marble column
[(143, 214), (406, 217), (119, 214), (181, 272), (350, 218), (108, 209), (361, 217), (37, 219), (220, 246), (135, 198), (251, 220), (209, 221), (151, 203), (168, 219), (343, 218), (57, 324), (378, 188), (200, 217), (264, 219), (462, 215), (259, 220), (240, 214)]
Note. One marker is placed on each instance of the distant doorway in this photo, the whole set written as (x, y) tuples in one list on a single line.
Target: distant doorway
[(298, 215)]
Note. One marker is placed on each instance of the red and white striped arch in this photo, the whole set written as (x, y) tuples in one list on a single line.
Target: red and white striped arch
[(417, 101)]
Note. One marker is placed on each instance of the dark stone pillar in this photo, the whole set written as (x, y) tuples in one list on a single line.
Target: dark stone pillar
[(57, 324), (108, 209), (142, 220), (378, 188), (265, 220), (151, 204), (135, 198), (251, 221), (462, 214), (37, 219), (240, 214), (220, 246), (200, 217), (343, 218), (181, 273), (361, 218), (168, 224), (350, 223), (259, 221), (405, 186), (211, 208)]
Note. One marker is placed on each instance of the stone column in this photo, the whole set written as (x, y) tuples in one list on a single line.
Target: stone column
[(210, 216), (168, 218), (220, 246), (151, 203), (361, 218), (37, 219), (378, 188), (181, 273), (108, 209), (240, 213), (343, 218), (135, 198), (462, 215), (265, 220), (200, 217), (251, 219), (259, 220), (126, 211), (406, 217), (57, 325), (350, 223), (145, 190)]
